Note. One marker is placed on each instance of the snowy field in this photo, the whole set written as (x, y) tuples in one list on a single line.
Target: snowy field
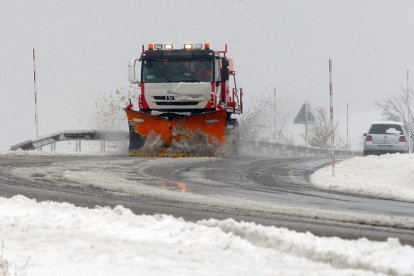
[(49, 238), (389, 176)]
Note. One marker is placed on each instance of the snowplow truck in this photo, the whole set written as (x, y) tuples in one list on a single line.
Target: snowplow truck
[(186, 105)]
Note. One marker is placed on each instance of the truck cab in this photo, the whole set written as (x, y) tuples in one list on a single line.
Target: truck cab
[(182, 81)]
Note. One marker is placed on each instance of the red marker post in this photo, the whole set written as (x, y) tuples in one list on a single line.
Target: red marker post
[(331, 116), (35, 93)]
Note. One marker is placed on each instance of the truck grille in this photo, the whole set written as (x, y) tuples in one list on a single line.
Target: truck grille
[(176, 103)]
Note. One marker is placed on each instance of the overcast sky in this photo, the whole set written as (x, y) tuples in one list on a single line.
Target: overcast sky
[(83, 48)]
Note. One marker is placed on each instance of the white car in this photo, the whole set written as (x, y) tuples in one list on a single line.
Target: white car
[(386, 137)]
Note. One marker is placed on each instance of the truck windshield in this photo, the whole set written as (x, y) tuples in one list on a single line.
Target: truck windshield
[(167, 70)]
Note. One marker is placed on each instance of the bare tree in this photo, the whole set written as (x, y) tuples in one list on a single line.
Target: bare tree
[(397, 108), (256, 123), (320, 133)]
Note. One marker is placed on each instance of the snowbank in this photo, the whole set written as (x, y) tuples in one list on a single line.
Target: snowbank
[(389, 176), (58, 238)]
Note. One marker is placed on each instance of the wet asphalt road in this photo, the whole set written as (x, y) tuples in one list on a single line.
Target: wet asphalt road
[(279, 181)]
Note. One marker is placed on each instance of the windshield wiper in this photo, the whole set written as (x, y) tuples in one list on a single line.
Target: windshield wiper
[(164, 77), (189, 81)]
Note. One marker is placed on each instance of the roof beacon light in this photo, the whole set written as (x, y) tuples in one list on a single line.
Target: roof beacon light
[(158, 46), (150, 46), (198, 46), (207, 46), (168, 46), (188, 46)]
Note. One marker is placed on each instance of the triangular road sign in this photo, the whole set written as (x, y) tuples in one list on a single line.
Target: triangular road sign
[(301, 118)]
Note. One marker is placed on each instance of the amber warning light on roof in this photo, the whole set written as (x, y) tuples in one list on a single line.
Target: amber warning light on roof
[(187, 46)]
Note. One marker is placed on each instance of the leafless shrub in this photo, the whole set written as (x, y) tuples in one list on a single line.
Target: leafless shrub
[(397, 108), (320, 133)]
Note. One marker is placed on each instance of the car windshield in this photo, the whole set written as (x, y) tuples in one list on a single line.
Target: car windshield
[(166, 70), (385, 129)]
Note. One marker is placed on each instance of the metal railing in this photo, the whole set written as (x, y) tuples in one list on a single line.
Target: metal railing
[(73, 135), (246, 146), (271, 149)]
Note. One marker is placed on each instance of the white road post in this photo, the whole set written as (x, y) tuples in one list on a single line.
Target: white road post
[(103, 146), (78, 146), (347, 126), (331, 116)]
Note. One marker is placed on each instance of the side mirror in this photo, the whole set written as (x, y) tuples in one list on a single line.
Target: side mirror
[(364, 134), (131, 71), (225, 63), (225, 74)]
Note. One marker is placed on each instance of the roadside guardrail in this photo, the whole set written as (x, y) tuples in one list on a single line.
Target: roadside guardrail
[(76, 135), (249, 147), (272, 149)]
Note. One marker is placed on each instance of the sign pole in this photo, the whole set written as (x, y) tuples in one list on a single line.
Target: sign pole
[(306, 122), (306, 117), (331, 116)]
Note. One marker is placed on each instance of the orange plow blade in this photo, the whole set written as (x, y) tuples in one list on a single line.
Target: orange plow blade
[(195, 135)]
